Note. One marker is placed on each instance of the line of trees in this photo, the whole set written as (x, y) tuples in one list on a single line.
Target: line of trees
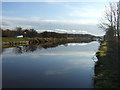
[(19, 31), (111, 25), (64, 35), (111, 22), (31, 33), (107, 68)]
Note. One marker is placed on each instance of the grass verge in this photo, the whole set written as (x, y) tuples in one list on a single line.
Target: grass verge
[(106, 68), (14, 39)]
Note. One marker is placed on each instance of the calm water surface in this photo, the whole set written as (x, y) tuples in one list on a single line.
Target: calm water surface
[(64, 66)]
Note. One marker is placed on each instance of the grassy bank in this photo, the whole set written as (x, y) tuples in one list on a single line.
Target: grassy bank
[(27, 39), (8, 42), (106, 68), (14, 39)]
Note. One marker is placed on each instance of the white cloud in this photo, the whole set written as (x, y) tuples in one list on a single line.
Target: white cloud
[(60, 53), (66, 31), (62, 26), (11, 23), (87, 11), (76, 44), (14, 21)]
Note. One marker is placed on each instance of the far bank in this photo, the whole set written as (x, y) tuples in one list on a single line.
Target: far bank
[(7, 42)]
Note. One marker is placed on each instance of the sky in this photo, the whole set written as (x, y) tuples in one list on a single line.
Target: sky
[(63, 17)]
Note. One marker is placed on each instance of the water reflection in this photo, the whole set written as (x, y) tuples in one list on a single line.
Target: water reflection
[(32, 48), (64, 66)]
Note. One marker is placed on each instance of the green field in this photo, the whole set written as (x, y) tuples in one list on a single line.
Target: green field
[(14, 39)]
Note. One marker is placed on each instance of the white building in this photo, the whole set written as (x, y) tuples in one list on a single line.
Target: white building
[(19, 36)]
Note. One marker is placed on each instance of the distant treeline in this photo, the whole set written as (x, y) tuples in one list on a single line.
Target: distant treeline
[(31, 33)]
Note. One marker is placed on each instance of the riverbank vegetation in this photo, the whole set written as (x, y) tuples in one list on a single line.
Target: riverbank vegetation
[(107, 67), (13, 39), (29, 37), (31, 33), (8, 42), (107, 73)]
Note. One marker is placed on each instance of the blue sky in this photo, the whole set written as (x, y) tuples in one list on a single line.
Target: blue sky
[(50, 10), (70, 17)]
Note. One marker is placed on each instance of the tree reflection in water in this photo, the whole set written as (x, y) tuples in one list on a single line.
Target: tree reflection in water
[(32, 48)]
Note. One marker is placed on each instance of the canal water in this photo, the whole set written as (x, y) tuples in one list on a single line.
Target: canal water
[(65, 66)]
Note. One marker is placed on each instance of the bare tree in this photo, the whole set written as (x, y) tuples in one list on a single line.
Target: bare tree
[(110, 23), (118, 19)]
